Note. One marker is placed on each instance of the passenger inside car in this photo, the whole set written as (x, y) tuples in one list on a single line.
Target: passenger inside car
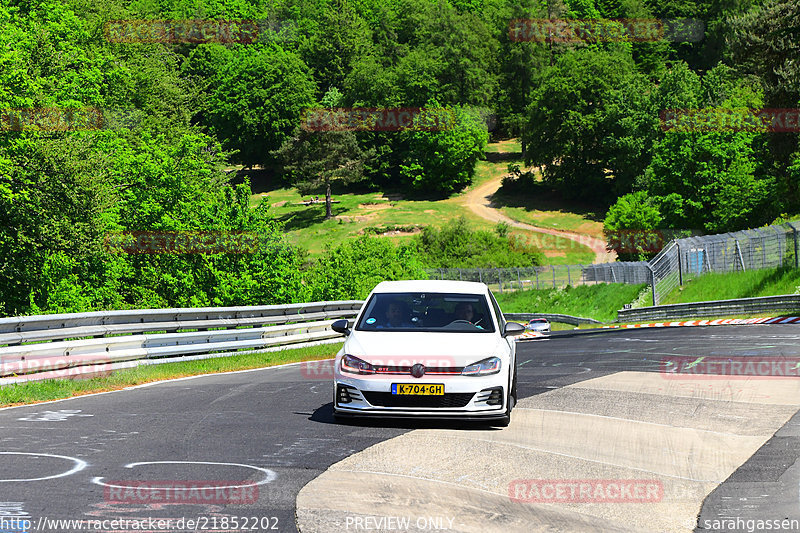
[(397, 315)]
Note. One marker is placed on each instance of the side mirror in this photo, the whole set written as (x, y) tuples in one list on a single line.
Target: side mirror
[(341, 326), (512, 328)]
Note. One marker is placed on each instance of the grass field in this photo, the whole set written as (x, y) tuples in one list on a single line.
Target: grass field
[(769, 282), (544, 209), (600, 301), (356, 212), (40, 391)]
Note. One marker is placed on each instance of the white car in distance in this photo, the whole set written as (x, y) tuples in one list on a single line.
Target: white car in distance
[(542, 325), (427, 348)]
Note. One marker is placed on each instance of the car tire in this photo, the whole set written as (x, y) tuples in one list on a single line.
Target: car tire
[(511, 401), (514, 389)]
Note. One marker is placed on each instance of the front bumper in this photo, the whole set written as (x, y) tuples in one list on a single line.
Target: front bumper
[(465, 397)]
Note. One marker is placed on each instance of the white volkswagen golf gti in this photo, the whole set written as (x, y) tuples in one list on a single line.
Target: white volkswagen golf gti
[(427, 348)]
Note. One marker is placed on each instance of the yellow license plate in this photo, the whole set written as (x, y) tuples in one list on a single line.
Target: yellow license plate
[(417, 389)]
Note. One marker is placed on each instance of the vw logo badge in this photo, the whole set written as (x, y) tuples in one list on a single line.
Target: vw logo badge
[(418, 370)]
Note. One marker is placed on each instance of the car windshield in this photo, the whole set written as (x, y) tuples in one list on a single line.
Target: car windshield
[(439, 312)]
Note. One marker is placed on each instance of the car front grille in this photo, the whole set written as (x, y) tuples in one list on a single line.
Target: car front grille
[(439, 370), (445, 401)]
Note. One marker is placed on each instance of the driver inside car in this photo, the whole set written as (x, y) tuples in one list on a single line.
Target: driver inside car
[(464, 311)]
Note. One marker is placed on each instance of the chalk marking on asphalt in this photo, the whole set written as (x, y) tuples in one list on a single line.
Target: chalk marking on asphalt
[(589, 460), (269, 475), (79, 465), (622, 419), (52, 416)]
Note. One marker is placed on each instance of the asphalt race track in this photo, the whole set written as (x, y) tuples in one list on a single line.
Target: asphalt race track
[(593, 406)]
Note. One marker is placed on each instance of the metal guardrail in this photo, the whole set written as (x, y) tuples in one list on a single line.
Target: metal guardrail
[(740, 306), (552, 317), (68, 345), (37, 346)]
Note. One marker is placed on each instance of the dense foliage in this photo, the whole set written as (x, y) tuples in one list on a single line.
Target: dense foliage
[(176, 114), (456, 245)]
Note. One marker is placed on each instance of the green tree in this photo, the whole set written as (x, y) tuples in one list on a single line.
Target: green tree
[(317, 160), (764, 42), (630, 224), (341, 38), (443, 162), (584, 120), (258, 101), (711, 180)]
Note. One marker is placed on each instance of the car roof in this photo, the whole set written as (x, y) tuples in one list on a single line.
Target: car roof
[(431, 285)]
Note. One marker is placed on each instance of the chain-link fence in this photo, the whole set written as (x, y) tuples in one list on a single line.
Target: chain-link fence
[(755, 249), (681, 259), (547, 277)]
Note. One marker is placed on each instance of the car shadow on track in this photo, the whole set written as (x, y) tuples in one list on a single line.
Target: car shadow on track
[(324, 415)]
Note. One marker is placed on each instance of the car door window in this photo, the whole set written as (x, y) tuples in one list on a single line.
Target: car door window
[(501, 321)]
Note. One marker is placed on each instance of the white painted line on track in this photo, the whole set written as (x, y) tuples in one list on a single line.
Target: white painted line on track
[(79, 465), (269, 475)]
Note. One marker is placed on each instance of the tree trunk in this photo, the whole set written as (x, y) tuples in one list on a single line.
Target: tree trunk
[(328, 212)]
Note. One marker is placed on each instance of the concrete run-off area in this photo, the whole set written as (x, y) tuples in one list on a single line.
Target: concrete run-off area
[(677, 439)]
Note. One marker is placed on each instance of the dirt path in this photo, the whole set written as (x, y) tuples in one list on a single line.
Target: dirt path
[(479, 201)]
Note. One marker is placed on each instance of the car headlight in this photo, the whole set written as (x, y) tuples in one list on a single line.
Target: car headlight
[(482, 368), (354, 365)]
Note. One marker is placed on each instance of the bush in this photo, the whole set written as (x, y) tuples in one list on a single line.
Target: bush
[(456, 245), (351, 270)]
